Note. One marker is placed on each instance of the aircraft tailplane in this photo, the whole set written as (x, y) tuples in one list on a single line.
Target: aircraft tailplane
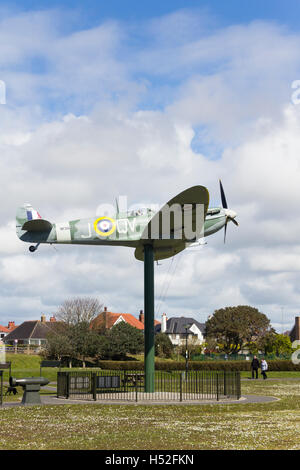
[(29, 219)]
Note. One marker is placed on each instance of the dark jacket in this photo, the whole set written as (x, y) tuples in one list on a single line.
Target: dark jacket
[(255, 364)]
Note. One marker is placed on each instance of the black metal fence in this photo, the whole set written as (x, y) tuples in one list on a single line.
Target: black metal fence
[(111, 385)]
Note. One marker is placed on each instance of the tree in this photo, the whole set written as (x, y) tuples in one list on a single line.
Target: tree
[(232, 327), (274, 343), (80, 309), (59, 345), (76, 341), (163, 345), (194, 348), (123, 339), (252, 347), (86, 343)]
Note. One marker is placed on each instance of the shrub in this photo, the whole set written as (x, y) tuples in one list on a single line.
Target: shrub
[(276, 365)]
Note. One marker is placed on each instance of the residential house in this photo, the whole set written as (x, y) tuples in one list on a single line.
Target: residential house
[(5, 330), (32, 332), (106, 320), (182, 329)]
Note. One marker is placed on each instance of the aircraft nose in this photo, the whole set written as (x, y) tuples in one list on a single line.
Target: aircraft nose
[(230, 213)]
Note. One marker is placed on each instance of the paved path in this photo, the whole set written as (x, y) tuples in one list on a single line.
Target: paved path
[(52, 400)]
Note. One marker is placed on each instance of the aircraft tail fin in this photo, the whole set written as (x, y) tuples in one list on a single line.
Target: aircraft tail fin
[(30, 220)]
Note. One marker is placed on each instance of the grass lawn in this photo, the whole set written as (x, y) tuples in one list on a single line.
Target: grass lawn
[(269, 426)]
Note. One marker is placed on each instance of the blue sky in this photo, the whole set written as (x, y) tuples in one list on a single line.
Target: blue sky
[(144, 99), (226, 12)]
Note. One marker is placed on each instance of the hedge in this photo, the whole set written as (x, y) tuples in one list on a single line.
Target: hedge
[(274, 365)]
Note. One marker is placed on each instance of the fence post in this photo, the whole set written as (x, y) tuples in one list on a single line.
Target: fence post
[(217, 386), (94, 385), (136, 387), (225, 383), (68, 385), (180, 386), (238, 384)]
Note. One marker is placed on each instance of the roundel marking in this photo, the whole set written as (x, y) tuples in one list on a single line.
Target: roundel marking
[(104, 226)]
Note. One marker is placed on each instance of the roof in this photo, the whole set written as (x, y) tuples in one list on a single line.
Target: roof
[(127, 317), (176, 325), (110, 318), (3, 329), (32, 329)]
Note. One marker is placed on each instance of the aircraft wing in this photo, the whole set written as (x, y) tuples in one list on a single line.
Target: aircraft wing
[(169, 236)]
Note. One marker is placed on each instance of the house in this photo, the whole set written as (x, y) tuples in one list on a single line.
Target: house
[(106, 320), (295, 331), (5, 330), (182, 329), (32, 332)]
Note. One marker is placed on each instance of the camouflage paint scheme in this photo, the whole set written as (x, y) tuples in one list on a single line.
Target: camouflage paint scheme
[(124, 229)]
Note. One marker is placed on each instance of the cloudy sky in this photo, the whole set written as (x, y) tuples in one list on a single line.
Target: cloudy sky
[(144, 99)]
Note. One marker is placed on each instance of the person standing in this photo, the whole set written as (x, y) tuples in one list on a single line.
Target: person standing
[(255, 367), (264, 368)]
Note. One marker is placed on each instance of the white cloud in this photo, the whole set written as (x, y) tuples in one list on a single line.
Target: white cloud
[(232, 83)]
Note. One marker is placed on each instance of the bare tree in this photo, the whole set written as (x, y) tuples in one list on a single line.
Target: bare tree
[(78, 310)]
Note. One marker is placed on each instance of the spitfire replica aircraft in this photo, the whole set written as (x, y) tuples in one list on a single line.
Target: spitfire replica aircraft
[(134, 228), (183, 222)]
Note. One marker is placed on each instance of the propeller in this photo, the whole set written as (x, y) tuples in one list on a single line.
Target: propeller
[(223, 198), (230, 215)]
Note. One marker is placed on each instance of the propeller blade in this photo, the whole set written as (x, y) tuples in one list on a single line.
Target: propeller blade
[(223, 198), (225, 230), (233, 220)]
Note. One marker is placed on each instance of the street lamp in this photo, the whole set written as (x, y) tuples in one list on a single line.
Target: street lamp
[(186, 327)]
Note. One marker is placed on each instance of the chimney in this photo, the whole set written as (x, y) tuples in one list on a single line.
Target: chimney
[(141, 316), (52, 319), (297, 328), (43, 318), (163, 323), (105, 318), (11, 325)]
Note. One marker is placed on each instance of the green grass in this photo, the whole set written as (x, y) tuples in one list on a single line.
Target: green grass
[(274, 374), (274, 425)]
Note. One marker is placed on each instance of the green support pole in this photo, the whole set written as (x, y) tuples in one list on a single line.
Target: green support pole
[(149, 317)]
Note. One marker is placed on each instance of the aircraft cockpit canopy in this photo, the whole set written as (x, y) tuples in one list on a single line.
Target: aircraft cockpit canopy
[(213, 211), (144, 211)]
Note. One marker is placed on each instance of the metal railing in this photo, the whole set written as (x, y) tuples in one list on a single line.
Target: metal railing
[(111, 385)]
